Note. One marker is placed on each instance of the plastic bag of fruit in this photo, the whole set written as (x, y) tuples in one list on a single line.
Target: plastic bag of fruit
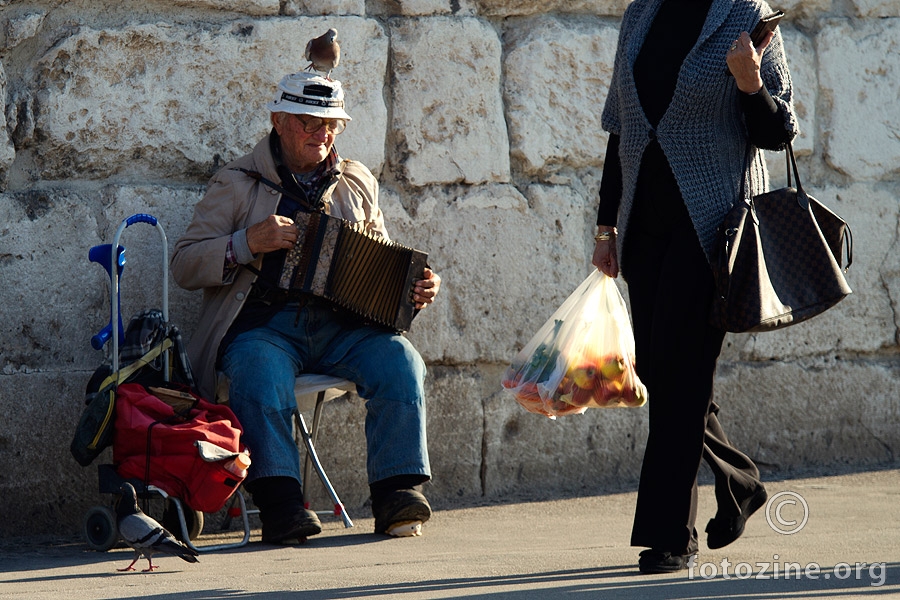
[(582, 357)]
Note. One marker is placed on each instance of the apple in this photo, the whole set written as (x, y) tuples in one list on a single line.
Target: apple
[(584, 375), (565, 386), (613, 367), (511, 380), (561, 408), (528, 391), (636, 395), (640, 394), (607, 391), (536, 408), (581, 396)]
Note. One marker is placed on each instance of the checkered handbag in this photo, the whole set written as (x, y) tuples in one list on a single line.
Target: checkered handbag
[(779, 260)]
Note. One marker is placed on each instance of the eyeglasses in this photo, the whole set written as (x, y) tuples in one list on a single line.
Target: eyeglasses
[(314, 124)]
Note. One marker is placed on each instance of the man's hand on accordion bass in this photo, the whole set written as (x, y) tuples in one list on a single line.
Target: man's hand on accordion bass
[(274, 233), (426, 289)]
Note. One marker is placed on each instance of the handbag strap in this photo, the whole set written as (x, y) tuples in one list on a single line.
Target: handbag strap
[(791, 165), (746, 165), (802, 199)]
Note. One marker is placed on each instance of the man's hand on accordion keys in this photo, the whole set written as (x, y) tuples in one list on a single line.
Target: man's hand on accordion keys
[(274, 233), (426, 289)]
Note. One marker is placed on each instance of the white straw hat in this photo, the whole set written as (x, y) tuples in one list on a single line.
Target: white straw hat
[(309, 94)]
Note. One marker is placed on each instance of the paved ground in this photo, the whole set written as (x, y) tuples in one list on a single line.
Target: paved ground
[(848, 547)]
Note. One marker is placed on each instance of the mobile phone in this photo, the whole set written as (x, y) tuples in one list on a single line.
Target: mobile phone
[(765, 25)]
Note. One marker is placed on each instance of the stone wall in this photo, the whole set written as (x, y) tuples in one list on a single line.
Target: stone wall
[(482, 120)]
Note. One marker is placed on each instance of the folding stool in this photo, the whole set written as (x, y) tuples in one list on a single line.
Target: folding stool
[(311, 392)]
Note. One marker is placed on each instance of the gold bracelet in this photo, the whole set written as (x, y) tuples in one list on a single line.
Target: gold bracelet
[(604, 236)]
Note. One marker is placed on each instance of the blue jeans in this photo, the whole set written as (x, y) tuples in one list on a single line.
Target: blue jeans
[(388, 372)]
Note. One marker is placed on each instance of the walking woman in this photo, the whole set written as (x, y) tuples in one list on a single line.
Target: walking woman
[(691, 103)]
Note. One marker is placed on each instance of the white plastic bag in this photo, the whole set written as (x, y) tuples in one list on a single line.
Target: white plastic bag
[(582, 357)]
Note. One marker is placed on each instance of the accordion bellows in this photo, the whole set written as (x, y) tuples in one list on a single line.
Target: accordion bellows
[(357, 270)]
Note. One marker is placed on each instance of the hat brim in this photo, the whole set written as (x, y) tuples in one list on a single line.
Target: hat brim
[(323, 112)]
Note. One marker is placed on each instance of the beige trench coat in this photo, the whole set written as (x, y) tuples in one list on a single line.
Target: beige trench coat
[(235, 201)]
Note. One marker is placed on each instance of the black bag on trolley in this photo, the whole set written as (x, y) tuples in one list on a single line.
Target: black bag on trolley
[(142, 360)]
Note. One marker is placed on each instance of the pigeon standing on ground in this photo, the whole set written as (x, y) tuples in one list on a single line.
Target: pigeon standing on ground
[(144, 534), (323, 53)]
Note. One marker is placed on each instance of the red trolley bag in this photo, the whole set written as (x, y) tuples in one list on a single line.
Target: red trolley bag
[(158, 444)]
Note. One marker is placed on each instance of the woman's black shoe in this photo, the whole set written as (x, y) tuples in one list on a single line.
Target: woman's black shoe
[(657, 561), (721, 531)]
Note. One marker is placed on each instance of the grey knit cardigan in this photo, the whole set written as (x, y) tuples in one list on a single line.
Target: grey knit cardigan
[(702, 133)]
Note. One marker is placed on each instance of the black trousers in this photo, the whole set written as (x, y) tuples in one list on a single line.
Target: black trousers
[(670, 288)]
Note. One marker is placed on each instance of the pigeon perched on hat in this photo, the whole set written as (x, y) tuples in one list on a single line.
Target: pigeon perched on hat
[(144, 534), (323, 53)]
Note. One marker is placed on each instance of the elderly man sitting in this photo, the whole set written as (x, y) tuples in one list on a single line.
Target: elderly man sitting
[(262, 337)]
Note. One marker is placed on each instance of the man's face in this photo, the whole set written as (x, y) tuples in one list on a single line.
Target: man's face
[(302, 151)]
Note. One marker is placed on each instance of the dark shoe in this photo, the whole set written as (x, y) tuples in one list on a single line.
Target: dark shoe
[(401, 513), (299, 526), (657, 561), (281, 510), (721, 531)]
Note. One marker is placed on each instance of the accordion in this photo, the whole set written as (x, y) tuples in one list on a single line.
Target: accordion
[(356, 270)]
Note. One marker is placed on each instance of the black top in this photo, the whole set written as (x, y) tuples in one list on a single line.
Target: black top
[(671, 37)]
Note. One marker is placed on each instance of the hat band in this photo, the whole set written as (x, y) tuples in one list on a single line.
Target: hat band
[(311, 101)]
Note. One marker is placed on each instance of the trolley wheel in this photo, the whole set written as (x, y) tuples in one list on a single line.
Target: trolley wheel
[(193, 519), (100, 529)]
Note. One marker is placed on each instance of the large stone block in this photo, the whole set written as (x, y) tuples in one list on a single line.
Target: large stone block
[(865, 321), (811, 413), (507, 261), (199, 102), (447, 112), (509, 8), (250, 7), (43, 489), (804, 10), (456, 430), (860, 82), (876, 8), (557, 77), (60, 299), (325, 7), (419, 8), (43, 261)]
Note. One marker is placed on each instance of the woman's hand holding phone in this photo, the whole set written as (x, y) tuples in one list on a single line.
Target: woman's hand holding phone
[(744, 58)]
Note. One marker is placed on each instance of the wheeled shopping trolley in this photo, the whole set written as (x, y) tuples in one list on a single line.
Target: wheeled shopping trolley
[(185, 523)]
